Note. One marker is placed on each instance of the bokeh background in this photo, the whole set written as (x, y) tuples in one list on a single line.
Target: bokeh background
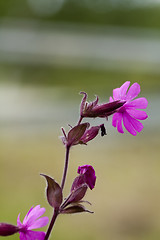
[(50, 50)]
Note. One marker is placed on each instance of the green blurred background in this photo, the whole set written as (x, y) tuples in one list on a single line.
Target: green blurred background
[(50, 50)]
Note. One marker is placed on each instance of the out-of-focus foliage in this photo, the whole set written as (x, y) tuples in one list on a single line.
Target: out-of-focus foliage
[(37, 98), (123, 13)]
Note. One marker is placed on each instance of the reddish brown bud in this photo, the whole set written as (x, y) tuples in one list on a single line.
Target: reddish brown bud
[(74, 135), (8, 229), (93, 109)]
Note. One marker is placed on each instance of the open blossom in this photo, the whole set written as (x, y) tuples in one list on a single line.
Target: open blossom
[(129, 112), (32, 221), (93, 109)]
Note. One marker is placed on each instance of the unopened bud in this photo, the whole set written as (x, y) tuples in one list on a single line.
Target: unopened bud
[(8, 229), (93, 109)]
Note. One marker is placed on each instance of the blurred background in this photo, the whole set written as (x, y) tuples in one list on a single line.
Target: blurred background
[(50, 50)]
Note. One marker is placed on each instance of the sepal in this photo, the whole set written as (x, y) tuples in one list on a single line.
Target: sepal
[(93, 109), (77, 194), (8, 229), (78, 208), (76, 133)]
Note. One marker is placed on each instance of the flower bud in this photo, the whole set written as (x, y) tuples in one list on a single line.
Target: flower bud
[(74, 134), (88, 173), (81, 135), (93, 109), (8, 229), (89, 134)]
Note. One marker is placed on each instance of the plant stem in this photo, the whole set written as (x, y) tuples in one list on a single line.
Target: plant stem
[(56, 210), (55, 214), (65, 167), (80, 120)]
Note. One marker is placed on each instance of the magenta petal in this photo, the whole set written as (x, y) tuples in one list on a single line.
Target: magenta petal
[(88, 173), (19, 224), (119, 124), (22, 236), (32, 235), (133, 91), (115, 119), (138, 114), (123, 90), (140, 103), (34, 214), (116, 94), (26, 217), (111, 99), (128, 125), (135, 123), (41, 222)]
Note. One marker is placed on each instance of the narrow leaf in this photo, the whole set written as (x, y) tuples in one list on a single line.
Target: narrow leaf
[(53, 192)]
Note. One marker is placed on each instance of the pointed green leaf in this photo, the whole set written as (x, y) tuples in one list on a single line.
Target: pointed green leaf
[(53, 192)]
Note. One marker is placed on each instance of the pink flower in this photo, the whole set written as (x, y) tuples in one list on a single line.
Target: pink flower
[(32, 221), (129, 112)]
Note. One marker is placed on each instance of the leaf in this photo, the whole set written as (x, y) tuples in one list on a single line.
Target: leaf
[(53, 192), (75, 209)]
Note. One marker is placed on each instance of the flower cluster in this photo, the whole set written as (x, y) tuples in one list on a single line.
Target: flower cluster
[(125, 109)]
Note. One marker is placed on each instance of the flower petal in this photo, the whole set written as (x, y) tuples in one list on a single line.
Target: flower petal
[(116, 94), (133, 91), (128, 125), (89, 175), (123, 90), (111, 99), (140, 103), (26, 217), (22, 236), (32, 235), (119, 124), (41, 222), (34, 214), (135, 123), (19, 224), (138, 114), (115, 119)]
